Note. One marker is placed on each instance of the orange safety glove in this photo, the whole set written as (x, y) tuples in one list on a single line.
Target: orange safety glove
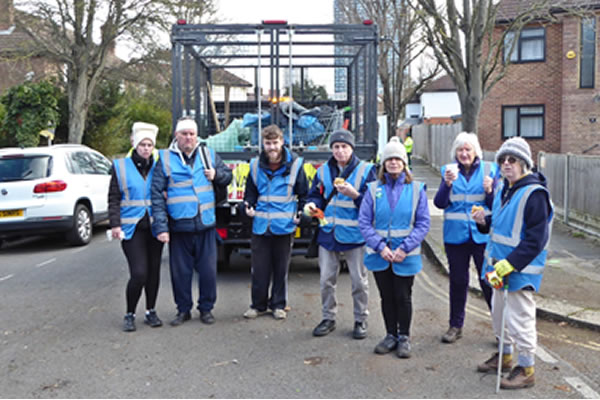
[(494, 280)]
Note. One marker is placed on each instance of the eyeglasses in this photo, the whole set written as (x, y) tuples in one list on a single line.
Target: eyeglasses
[(510, 159)]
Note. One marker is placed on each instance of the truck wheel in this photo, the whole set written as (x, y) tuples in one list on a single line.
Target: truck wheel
[(81, 231), (224, 256)]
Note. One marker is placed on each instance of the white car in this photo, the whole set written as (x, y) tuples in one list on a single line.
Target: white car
[(61, 188)]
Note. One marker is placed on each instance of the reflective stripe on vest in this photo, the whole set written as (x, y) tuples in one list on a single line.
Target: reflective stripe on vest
[(135, 195), (341, 212), (276, 204), (394, 234), (188, 189), (506, 233), (459, 225)]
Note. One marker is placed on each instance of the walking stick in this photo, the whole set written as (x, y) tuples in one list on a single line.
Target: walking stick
[(501, 345)]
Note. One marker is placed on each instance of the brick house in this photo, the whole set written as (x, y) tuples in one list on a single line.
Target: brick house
[(550, 95), (19, 59)]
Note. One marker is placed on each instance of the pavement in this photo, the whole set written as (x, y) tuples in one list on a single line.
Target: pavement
[(570, 289)]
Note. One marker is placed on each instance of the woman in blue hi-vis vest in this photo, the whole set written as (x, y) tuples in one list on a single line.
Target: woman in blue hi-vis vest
[(130, 217), (394, 220), (519, 229), (467, 182)]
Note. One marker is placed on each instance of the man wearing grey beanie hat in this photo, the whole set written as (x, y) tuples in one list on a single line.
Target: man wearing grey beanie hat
[(337, 189), (341, 135)]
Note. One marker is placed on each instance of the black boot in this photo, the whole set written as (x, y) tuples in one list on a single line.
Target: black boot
[(129, 322)]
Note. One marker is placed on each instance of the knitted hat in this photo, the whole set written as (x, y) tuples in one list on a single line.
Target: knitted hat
[(394, 149), (341, 135), (517, 147), (186, 124), (141, 131)]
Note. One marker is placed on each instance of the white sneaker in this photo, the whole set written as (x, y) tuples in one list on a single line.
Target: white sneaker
[(251, 313), (279, 314)]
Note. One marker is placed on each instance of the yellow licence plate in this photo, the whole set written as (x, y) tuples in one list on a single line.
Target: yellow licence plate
[(297, 235), (11, 213)]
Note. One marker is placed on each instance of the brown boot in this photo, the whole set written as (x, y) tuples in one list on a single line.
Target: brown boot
[(519, 378), (491, 365)]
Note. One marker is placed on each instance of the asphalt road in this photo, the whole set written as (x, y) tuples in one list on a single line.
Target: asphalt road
[(61, 310)]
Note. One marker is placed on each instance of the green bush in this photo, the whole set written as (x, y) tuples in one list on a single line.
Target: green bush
[(29, 108)]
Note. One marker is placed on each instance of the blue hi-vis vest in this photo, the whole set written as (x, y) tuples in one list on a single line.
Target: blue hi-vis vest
[(459, 226), (506, 232), (395, 227), (341, 212), (135, 194), (188, 190), (277, 202)]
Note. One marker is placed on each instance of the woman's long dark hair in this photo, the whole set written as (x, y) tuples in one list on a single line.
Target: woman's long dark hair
[(382, 171)]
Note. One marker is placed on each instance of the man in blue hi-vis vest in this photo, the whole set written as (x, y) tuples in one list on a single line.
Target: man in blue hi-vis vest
[(183, 205), (275, 192), (348, 176)]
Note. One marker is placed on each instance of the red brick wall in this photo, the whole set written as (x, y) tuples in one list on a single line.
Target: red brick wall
[(13, 72), (581, 107), (528, 83)]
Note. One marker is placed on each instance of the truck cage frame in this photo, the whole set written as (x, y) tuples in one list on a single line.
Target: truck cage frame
[(198, 50)]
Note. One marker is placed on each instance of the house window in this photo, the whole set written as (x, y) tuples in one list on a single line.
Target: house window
[(587, 67), (530, 46), (523, 121)]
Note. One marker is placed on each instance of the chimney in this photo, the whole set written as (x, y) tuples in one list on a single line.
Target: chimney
[(7, 15)]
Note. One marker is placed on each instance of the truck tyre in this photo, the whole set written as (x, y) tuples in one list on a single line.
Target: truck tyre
[(81, 232)]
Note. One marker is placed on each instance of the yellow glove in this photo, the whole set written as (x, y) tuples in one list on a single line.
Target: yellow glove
[(503, 268), (494, 280)]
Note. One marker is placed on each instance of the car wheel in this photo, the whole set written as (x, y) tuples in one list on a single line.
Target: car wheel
[(81, 232)]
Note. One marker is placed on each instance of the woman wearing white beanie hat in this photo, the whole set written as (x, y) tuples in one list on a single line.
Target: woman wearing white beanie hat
[(394, 220), (130, 214)]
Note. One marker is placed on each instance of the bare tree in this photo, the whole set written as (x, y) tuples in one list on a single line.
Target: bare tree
[(464, 42), (398, 49), (81, 36)]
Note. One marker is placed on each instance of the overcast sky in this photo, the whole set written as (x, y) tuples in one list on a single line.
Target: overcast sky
[(294, 11)]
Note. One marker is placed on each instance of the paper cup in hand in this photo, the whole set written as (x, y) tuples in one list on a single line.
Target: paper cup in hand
[(454, 169)]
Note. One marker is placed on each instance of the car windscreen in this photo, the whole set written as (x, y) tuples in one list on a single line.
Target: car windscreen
[(20, 167)]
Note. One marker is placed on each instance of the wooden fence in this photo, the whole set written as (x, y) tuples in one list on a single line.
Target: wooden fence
[(572, 179)]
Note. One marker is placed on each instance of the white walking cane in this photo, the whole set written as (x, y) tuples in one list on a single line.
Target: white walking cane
[(501, 345)]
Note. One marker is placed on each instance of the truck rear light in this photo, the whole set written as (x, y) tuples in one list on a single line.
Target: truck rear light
[(274, 22), (49, 187), (222, 232)]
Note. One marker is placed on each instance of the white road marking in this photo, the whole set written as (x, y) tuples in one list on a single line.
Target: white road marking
[(79, 250), (582, 388), (544, 356), (45, 262), (6, 277)]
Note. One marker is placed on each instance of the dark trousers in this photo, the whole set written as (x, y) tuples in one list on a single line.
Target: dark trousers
[(189, 252), (396, 301), (143, 253), (270, 257), (459, 256)]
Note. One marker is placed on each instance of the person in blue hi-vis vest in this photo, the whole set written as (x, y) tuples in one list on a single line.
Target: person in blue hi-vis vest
[(394, 220), (183, 205), (340, 238), (519, 229), (275, 194), (467, 182), (130, 218)]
